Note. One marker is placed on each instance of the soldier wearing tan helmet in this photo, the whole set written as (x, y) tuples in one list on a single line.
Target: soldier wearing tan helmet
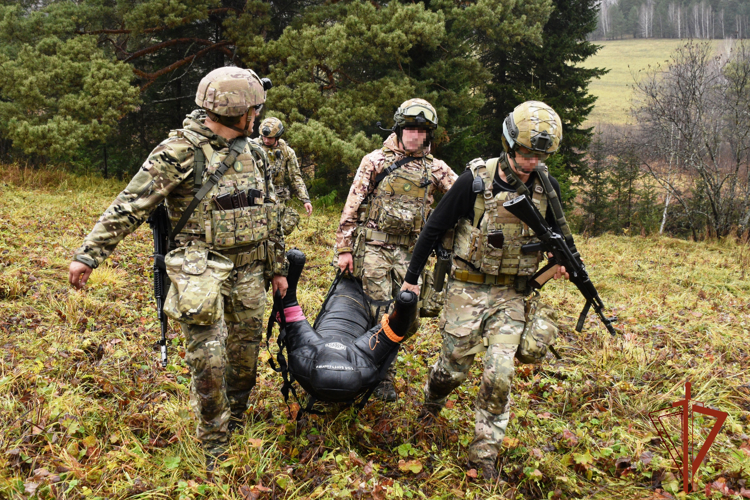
[(223, 215), (285, 171), (387, 206), (489, 305)]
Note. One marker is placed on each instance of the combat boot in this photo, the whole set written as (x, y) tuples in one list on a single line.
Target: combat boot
[(237, 421), (487, 467), (429, 413), (385, 390), (215, 455)]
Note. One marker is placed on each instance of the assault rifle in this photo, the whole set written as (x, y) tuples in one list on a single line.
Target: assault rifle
[(159, 222), (562, 255)]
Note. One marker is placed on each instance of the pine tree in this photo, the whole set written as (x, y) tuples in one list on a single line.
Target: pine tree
[(548, 72)]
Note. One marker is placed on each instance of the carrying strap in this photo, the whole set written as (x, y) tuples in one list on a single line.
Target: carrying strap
[(235, 149), (390, 169), (486, 172)]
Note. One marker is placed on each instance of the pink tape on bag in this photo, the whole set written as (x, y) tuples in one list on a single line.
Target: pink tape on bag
[(292, 314)]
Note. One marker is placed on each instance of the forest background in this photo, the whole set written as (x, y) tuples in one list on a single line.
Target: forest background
[(89, 87)]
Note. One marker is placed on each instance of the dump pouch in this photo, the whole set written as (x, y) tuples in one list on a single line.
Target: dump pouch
[(540, 331), (197, 274)]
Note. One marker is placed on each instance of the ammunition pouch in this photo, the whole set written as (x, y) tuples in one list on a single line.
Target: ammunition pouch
[(197, 275), (393, 220), (241, 226), (540, 331)]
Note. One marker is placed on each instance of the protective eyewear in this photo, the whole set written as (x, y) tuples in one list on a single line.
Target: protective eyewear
[(528, 155), (412, 112)]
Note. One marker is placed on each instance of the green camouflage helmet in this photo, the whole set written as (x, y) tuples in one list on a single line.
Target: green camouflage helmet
[(416, 113), (231, 91), (533, 125), (271, 127)]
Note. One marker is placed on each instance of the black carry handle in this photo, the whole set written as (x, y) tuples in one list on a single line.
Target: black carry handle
[(562, 254)]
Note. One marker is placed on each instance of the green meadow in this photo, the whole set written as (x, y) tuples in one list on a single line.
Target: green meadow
[(625, 59)]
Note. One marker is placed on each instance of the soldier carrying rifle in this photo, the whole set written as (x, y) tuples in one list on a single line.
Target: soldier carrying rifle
[(223, 221), (490, 305)]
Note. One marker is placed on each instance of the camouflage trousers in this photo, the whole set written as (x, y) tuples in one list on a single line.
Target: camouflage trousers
[(474, 312), (289, 220), (382, 276), (223, 357)]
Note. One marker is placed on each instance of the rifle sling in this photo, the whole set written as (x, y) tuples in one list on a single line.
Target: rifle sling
[(235, 149), (394, 166)]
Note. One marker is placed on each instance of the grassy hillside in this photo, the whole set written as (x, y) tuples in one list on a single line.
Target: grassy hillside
[(87, 412), (624, 58)]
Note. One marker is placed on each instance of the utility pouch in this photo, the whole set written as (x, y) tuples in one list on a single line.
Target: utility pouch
[(396, 221), (197, 274), (432, 298), (540, 331), (242, 226), (496, 239)]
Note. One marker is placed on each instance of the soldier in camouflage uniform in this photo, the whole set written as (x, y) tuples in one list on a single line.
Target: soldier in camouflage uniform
[(285, 171), (489, 304), (388, 204), (222, 256)]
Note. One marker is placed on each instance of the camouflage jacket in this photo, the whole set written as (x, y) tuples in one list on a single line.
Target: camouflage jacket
[(363, 185), (166, 173), (285, 171)]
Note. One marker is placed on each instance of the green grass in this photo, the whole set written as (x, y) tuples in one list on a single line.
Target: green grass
[(87, 412), (624, 59)]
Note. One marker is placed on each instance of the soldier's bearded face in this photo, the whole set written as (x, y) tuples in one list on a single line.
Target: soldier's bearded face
[(414, 139), (269, 141)]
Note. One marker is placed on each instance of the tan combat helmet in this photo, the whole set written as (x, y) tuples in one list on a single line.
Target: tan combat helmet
[(533, 125), (416, 113), (231, 91), (271, 127)]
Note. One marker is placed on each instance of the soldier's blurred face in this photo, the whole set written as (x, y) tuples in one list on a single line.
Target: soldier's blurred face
[(269, 141), (414, 139), (526, 160)]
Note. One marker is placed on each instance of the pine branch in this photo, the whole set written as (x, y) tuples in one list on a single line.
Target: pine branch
[(151, 77)]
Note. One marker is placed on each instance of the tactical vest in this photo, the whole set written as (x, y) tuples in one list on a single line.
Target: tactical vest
[(277, 158), (398, 206), (227, 229), (492, 241)]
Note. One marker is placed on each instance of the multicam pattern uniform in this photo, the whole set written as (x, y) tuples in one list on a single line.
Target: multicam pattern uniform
[(287, 179), (493, 313), (384, 264), (222, 356)]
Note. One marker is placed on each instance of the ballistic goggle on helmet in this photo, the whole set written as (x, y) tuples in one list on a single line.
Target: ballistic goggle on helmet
[(416, 113), (533, 125), (271, 127), (232, 91)]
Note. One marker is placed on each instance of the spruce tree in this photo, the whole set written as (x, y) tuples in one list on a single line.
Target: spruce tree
[(548, 72)]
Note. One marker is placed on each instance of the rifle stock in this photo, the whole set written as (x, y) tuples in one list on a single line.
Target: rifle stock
[(562, 254)]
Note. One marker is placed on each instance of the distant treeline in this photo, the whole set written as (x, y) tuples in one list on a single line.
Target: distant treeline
[(705, 19)]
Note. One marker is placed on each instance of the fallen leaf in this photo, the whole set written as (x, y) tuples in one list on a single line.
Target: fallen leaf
[(472, 473), (368, 468), (546, 414), (537, 453), (646, 457), (570, 438), (255, 443), (509, 442), (414, 466)]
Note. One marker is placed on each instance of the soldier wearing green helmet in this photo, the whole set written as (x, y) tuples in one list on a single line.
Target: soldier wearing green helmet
[(285, 171), (388, 204), (490, 307), (223, 217)]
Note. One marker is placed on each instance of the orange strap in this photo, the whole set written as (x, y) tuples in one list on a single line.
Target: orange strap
[(387, 328)]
